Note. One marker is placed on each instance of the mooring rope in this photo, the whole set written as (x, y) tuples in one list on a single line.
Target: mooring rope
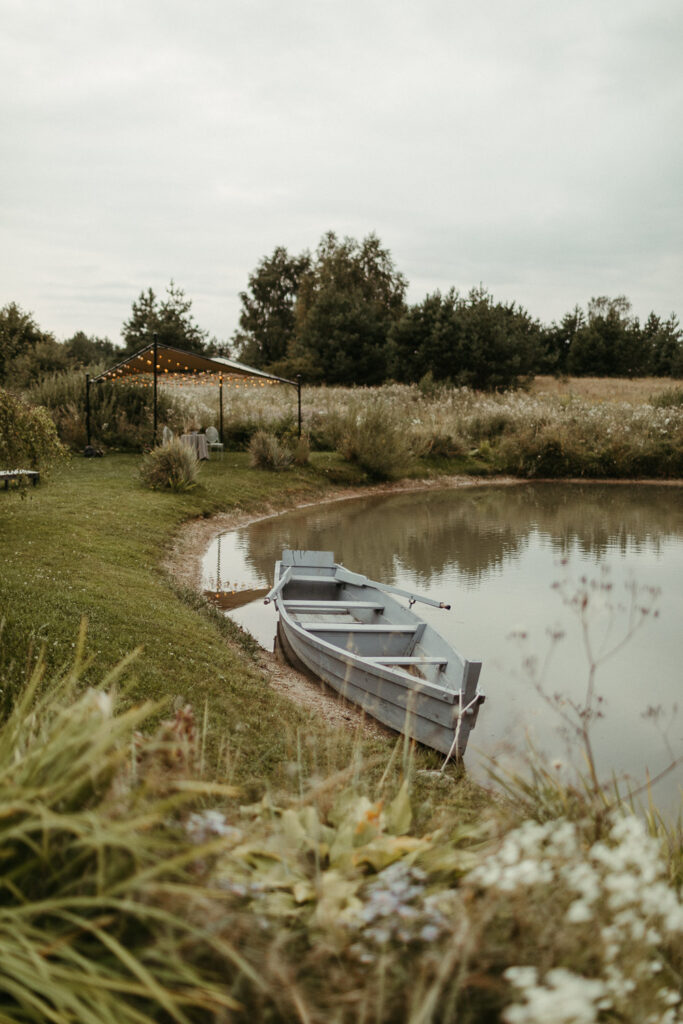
[(461, 714)]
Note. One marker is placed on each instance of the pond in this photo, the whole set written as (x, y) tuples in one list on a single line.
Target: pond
[(516, 562)]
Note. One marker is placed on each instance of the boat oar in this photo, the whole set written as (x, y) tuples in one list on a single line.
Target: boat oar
[(278, 586), (362, 581)]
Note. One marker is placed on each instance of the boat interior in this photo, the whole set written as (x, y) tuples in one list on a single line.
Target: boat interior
[(349, 620)]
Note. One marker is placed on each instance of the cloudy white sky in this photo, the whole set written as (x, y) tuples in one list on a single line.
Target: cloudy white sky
[(533, 146)]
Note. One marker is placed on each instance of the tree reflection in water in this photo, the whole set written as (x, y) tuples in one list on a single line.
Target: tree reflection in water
[(473, 530)]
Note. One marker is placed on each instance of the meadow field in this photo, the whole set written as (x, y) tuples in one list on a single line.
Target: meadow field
[(181, 842)]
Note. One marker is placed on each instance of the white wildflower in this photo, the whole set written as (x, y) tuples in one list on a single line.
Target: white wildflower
[(579, 912), (521, 977), (563, 998), (201, 825)]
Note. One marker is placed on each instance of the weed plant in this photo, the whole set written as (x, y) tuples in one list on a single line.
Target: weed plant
[(668, 399), (171, 466), (28, 439), (120, 414), (137, 888)]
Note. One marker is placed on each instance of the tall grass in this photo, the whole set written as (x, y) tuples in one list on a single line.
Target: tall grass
[(171, 466), (375, 437), (120, 415), (532, 435), (267, 452), (539, 434), (91, 891)]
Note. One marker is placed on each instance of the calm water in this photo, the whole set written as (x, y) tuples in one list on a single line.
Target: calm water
[(497, 555)]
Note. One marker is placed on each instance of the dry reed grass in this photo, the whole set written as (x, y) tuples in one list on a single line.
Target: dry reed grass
[(635, 390)]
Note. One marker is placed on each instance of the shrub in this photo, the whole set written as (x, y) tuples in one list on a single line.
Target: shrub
[(28, 439), (171, 466), (266, 452), (376, 438)]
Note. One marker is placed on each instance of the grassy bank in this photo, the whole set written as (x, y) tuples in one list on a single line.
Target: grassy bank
[(89, 544)]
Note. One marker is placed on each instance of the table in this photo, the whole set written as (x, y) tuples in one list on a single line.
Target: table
[(198, 443)]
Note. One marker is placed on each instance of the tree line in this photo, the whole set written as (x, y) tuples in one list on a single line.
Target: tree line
[(339, 316), (27, 353)]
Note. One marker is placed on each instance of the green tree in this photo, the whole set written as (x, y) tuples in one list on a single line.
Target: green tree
[(19, 335), (171, 320), (665, 346), (82, 350), (424, 339), (499, 343), (611, 343), (558, 340), (346, 305), (267, 319), (473, 341), (46, 357)]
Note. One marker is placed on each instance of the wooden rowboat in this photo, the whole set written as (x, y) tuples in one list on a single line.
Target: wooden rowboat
[(353, 634)]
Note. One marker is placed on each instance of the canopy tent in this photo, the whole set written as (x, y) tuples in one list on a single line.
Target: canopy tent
[(156, 362)]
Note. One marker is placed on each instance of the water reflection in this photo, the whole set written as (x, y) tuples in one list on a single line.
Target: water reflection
[(494, 552), (475, 530)]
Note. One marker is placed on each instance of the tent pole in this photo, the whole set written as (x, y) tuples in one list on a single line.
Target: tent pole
[(87, 408), (220, 405), (154, 435), (298, 393)]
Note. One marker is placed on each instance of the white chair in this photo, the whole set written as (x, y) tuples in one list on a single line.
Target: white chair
[(213, 440), (166, 435)]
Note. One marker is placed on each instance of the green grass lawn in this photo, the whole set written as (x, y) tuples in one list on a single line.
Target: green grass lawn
[(88, 543)]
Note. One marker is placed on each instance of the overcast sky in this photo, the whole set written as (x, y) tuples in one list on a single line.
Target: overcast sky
[(532, 146)]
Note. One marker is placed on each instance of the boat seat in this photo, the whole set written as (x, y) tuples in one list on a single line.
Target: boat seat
[(356, 627), (408, 660), (300, 578), (333, 606)]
